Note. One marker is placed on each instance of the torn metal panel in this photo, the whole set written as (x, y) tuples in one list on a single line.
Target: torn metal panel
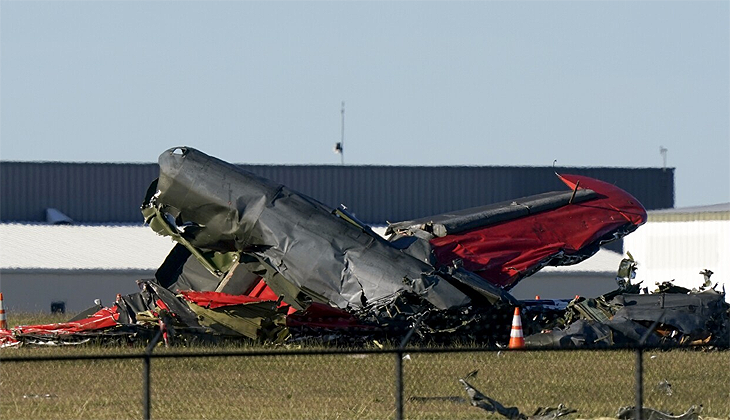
[(479, 217), (191, 316), (257, 320), (580, 333), (182, 271), (694, 314), (550, 413), (629, 413), (87, 313), (596, 310), (207, 312), (151, 301), (478, 399), (214, 300), (670, 315), (262, 320), (629, 332), (8, 339), (103, 318), (477, 285), (304, 251), (661, 318), (506, 242), (319, 315)]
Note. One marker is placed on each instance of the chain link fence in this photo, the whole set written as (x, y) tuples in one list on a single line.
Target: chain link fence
[(368, 383)]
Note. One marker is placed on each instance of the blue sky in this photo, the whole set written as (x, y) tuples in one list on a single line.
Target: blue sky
[(425, 83)]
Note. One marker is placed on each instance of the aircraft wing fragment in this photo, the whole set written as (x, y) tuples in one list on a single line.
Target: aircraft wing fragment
[(508, 241)]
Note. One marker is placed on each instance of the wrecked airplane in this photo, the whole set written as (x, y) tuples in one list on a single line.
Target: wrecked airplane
[(254, 258), (234, 228), (230, 220)]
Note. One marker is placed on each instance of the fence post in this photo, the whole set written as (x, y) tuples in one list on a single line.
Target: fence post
[(146, 374), (399, 368), (399, 384), (640, 364), (146, 385), (639, 382)]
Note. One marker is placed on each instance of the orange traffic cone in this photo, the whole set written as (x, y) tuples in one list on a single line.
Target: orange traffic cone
[(516, 339), (3, 320)]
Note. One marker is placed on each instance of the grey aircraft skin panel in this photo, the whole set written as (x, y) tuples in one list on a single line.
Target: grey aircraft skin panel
[(218, 206)]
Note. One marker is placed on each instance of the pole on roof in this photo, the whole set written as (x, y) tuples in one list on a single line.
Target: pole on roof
[(340, 145), (342, 137)]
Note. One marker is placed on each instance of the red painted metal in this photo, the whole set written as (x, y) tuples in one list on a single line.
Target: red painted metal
[(505, 252), (104, 318)]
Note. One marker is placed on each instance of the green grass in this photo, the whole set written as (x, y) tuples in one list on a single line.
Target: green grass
[(36, 318), (353, 386)]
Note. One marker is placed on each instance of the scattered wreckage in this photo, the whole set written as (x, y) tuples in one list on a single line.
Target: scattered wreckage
[(629, 413), (670, 315), (477, 399), (255, 259)]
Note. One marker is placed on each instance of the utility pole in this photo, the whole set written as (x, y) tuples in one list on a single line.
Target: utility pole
[(342, 137), (340, 146)]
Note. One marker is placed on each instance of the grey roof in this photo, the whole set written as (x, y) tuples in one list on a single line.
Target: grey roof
[(712, 208), (720, 211), (113, 192)]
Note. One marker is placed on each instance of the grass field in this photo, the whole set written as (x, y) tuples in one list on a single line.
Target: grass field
[(357, 386), (36, 318)]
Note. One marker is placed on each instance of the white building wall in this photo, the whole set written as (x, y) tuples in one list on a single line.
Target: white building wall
[(32, 291), (680, 250), (565, 285), (592, 277), (75, 264)]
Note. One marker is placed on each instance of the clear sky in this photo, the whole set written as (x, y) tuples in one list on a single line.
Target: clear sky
[(424, 83)]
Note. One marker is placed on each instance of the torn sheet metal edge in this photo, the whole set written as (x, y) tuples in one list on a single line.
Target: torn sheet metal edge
[(231, 210), (482, 216)]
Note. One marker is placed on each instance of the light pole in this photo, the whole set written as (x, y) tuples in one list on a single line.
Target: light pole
[(340, 146)]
